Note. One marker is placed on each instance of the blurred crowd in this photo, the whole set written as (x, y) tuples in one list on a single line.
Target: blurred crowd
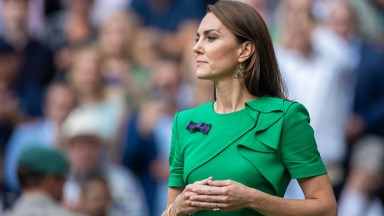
[(100, 81)]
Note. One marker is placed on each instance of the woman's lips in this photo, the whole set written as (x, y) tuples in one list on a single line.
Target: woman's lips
[(200, 62)]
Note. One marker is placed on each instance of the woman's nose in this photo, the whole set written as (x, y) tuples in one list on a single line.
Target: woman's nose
[(197, 47)]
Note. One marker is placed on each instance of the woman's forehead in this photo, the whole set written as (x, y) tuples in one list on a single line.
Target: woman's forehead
[(210, 22)]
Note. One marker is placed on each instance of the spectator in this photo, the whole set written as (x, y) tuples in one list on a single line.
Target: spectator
[(95, 196), (359, 196), (170, 94), (147, 138), (84, 146), (320, 77), (144, 52), (68, 29), (36, 66), (86, 79), (115, 44), (41, 172), (59, 101), (367, 116), (370, 14)]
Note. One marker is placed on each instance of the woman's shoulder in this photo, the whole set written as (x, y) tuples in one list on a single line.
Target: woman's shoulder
[(279, 107), (267, 104)]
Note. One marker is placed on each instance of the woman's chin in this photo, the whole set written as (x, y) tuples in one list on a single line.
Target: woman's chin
[(203, 76)]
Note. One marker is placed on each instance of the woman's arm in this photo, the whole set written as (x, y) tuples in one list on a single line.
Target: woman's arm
[(180, 200), (172, 194), (319, 200), (229, 195)]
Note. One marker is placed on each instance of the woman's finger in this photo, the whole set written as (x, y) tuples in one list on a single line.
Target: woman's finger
[(220, 183), (207, 198), (208, 190), (204, 181)]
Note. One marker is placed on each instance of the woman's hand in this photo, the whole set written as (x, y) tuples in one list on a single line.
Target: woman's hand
[(183, 205), (226, 195)]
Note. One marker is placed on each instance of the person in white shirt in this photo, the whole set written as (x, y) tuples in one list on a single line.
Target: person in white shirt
[(84, 144), (317, 72)]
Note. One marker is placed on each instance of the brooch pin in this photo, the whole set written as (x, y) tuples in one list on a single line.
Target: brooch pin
[(202, 127)]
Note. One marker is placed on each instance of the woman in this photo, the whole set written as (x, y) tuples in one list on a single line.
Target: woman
[(237, 154)]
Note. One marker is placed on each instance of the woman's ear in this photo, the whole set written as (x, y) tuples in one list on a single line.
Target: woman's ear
[(247, 49)]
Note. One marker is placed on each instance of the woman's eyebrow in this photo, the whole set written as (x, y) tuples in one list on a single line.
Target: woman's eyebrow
[(208, 31)]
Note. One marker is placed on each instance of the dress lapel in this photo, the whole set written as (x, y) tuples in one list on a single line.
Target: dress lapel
[(260, 146), (262, 125)]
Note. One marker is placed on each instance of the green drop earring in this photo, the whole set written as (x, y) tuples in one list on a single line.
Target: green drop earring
[(239, 72)]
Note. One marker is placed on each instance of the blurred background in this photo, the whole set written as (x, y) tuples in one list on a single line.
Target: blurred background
[(102, 79)]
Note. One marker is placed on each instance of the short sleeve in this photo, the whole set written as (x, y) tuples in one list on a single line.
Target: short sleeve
[(176, 159), (298, 145)]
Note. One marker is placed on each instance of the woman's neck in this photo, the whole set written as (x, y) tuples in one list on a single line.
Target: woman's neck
[(231, 96)]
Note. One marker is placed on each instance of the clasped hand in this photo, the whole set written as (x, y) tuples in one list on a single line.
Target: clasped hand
[(207, 194)]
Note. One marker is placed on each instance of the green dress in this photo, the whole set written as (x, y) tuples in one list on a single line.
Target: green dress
[(263, 146)]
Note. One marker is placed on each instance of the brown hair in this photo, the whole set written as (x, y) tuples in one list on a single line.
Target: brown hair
[(261, 71), (29, 179)]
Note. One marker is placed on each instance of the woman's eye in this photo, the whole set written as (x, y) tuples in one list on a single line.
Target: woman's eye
[(211, 38), (197, 39)]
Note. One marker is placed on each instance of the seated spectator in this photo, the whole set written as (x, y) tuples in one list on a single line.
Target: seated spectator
[(68, 29), (36, 65), (85, 148), (86, 79), (59, 101), (95, 196), (366, 115), (41, 173), (115, 45), (148, 132), (319, 77), (360, 194)]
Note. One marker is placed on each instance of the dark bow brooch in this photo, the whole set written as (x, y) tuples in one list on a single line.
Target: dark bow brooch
[(202, 127)]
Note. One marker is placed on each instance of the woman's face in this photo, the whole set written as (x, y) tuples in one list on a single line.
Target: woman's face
[(217, 50), (114, 36), (84, 153), (96, 198), (86, 76)]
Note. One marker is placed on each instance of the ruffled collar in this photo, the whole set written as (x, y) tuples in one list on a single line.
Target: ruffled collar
[(266, 104)]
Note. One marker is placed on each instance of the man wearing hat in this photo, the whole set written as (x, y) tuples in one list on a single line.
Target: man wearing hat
[(41, 172), (85, 143)]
